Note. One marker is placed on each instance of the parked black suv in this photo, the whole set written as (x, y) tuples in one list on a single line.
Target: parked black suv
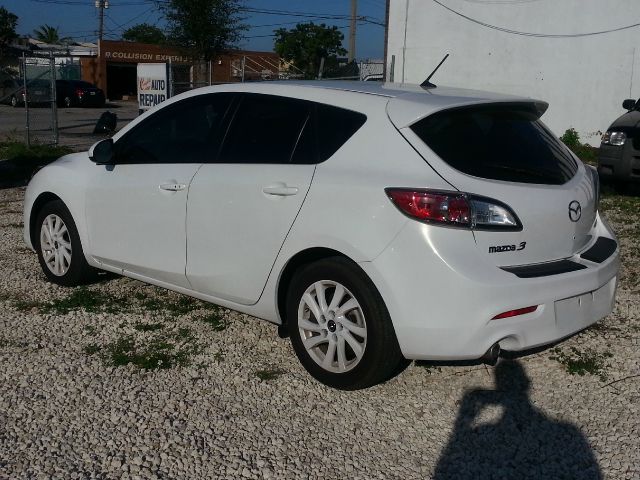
[(619, 157), (78, 93)]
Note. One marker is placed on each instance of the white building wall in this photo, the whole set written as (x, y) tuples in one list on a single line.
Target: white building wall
[(584, 78)]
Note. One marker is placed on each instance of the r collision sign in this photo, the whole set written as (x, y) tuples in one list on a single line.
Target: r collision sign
[(153, 85)]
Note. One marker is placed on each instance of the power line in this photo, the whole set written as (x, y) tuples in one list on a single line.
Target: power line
[(274, 34), (529, 34)]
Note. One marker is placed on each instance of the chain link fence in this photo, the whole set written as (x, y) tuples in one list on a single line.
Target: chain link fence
[(37, 96), (31, 89)]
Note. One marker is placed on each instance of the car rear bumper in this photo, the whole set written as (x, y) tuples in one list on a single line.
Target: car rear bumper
[(443, 300), (619, 163)]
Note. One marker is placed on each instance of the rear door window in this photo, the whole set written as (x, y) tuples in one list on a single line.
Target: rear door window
[(499, 142), (265, 129)]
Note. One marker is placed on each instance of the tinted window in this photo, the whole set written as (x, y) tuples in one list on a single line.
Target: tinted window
[(265, 129), (498, 142), (306, 152), (186, 132), (334, 127)]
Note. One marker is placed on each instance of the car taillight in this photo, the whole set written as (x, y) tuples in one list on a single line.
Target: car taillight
[(456, 209), (79, 92), (440, 207)]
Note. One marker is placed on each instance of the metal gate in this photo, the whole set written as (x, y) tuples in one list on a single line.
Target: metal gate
[(37, 95)]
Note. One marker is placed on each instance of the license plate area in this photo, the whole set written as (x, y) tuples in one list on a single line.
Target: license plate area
[(576, 313)]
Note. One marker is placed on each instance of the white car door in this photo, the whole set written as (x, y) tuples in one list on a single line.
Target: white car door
[(136, 209), (241, 208)]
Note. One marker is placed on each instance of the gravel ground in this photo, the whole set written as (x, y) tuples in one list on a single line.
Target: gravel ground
[(124, 380)]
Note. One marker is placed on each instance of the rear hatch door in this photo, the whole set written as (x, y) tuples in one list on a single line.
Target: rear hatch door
[(501, 150)]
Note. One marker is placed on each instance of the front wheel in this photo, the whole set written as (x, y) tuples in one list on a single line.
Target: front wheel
[(340, 327), (58, 247)]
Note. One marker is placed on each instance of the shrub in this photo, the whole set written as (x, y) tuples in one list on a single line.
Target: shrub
[(585, 152)]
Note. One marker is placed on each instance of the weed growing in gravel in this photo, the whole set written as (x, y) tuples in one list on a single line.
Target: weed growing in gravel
[(215, 321), (185, 334), (179, 306), (148, 327), (218, 357), (269, 374), (27, 305), (162, 351), (577, 362), (91, 349), (621, 203), (89, 300), (91, 330), (156, 354)]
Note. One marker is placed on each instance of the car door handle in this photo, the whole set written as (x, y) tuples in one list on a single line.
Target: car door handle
[(280, 190), (172, 187)]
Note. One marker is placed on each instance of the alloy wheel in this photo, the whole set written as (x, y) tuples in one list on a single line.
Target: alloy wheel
[(332, 326), (55, 244)]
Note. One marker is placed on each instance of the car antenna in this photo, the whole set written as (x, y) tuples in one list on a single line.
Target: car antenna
[(427, 83)]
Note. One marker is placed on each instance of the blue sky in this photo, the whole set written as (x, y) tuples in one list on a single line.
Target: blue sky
[(79, 19)]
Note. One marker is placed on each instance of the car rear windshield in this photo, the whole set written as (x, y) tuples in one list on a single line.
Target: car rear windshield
[(499, 142)]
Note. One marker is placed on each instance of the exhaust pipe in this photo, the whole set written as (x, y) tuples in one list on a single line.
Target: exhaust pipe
[(492, 355)]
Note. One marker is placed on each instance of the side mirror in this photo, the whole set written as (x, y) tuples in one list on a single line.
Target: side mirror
[(629, 104), (102, 152)]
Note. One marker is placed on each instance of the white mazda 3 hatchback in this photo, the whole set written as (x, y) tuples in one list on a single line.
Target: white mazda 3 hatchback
[(373, 223)]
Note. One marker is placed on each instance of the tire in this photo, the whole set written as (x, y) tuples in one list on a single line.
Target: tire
[(58, 246), (13, 101), (66, 101), (348, 344)]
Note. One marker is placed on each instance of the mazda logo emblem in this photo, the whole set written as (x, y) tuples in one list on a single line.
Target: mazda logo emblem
[(575, 211)]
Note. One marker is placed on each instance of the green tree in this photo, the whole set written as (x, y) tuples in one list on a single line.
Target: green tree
[(144, 33), (307, 43), (48, 34), (204, 28), (8, 22)]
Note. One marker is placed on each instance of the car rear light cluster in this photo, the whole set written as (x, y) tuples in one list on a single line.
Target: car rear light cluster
[(455, 209), (79, 92)]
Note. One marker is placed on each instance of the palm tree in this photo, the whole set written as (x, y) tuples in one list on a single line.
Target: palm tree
[(49, 34)]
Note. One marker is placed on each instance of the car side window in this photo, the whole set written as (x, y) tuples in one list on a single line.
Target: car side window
[(265, 129), (185, 132), (327, 129), (335, 126)]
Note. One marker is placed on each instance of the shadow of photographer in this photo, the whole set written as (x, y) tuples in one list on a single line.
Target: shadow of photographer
[(499, 434)]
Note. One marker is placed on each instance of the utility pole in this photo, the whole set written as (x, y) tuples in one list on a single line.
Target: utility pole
[(352, 31), (101, 5)]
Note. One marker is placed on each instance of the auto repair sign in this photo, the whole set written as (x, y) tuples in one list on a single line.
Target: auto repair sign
[(153, 84)]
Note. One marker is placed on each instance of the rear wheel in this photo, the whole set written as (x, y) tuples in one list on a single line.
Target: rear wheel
[(58, 246), (14, 101), (66, 101), (340, 327)]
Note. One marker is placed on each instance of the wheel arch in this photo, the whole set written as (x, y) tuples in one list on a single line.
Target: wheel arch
[(41, 200), (300, 259)]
